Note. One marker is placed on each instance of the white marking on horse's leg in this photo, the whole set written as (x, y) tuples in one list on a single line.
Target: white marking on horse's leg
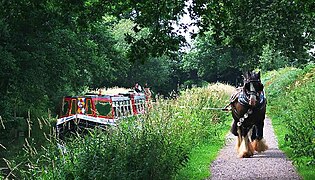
[(238, 144), (246, 149), (242, 148), (250, 132)]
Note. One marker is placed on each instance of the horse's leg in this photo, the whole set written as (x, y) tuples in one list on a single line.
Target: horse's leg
[(250, 146), (234, 128), (260, 130), (239, 139), (259, 143), (254, 133), (245, 149)]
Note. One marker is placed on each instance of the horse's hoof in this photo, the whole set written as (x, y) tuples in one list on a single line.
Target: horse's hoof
[(245, 154), (260, 145)]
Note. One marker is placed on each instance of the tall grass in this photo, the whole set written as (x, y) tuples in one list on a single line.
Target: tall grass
[(291, 99), (153, 146)]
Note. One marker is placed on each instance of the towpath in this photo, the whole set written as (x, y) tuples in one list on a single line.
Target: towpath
[(271, 164)]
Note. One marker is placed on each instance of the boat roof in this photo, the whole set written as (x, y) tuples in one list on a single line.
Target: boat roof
[(117, 97)]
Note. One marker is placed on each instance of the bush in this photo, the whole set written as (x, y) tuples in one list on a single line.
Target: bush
[(279, 82), (300, 120), (152, 146), (291, 97), (194, 83)]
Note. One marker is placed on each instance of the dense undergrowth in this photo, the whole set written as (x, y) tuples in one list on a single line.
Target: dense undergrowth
[(153, 146), (290, 93)]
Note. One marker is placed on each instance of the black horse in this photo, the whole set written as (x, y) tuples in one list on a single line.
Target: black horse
[(248, 105)]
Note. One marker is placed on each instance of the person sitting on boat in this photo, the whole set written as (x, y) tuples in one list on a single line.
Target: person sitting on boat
[(138, 88), (147, 91)]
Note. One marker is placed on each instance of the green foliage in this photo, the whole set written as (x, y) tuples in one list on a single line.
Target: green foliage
[(209, 62), (194, 83), (153, 146), (290, 97), (278, 82), (271, 59), (198, 165), (301, 122), (236, 36), (201, 156), (249, 25), (50, 49), (156, 72)]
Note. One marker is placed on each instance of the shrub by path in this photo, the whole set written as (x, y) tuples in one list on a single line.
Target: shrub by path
[(271, 164)]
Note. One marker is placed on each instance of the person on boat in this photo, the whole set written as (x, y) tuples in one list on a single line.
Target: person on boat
[(138, 88)]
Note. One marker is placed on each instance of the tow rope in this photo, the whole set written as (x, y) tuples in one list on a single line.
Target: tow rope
[(221, 109)]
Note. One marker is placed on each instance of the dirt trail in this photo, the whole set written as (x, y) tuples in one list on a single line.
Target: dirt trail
[(271, 164)]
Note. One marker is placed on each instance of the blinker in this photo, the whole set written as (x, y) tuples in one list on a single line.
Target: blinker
[(258, 86)]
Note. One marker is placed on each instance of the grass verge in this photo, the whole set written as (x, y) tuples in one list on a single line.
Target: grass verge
[(201, 157), (198, 165)]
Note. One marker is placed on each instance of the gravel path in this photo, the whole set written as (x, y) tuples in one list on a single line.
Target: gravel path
[(271, 164)]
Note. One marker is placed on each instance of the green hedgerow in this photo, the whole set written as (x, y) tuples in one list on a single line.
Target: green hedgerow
[(291, 99)]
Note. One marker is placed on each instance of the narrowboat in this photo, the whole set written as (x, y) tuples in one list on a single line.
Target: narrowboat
[(91, 110)]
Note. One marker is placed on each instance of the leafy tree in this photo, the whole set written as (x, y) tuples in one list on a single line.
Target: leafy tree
[(271, 59), (211, 63), (47, 53), (51, 48), (249, 25), (155, 71), (158, 17)]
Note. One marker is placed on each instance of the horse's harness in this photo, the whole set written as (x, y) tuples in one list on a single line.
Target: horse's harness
[(242, 98), (249, 82)]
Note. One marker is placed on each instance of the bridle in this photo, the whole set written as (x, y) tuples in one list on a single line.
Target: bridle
[(252, 90)]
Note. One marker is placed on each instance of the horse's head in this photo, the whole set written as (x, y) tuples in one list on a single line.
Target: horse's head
[(252, 87)]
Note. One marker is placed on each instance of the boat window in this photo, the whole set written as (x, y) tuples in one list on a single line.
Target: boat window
[(115, 106), (127, 108), (121, 108), (140, 105)]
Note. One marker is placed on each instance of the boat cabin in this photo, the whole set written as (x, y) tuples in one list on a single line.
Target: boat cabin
[(88, 111)]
